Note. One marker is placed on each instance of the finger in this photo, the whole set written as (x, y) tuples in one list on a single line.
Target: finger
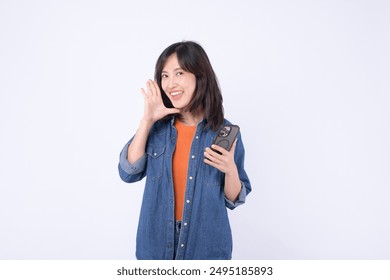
[(206, 160), (153, 88), (234, 146), (212, 156), (219, 148), (215, 153), (156, 88), (213, 164), (207, 155), (143, 92), (209, 162), (148, 89)]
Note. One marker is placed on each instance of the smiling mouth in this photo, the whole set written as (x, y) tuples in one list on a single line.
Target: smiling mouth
[(176, 93)]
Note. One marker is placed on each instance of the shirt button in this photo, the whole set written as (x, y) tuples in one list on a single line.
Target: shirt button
[(155, 154), (192, 156), (185, 224), (188, 201), (182, 245), (190, 177), (197, 137)]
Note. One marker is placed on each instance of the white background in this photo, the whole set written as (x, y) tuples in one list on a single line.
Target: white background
[(307, 81)]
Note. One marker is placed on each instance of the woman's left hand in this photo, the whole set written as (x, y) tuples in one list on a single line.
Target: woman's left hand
[(224, 161)]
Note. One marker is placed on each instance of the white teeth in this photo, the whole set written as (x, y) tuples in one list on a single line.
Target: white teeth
[(175, 93)]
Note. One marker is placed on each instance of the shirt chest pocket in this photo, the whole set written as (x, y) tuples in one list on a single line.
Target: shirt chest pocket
[(155, 161), (212, 176)]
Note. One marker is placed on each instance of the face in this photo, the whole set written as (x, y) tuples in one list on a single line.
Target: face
[(179, 85)]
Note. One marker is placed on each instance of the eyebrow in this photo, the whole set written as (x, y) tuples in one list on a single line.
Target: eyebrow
[(176, 69)]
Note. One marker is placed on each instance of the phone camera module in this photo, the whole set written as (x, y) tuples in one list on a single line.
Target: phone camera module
[(224, 132)]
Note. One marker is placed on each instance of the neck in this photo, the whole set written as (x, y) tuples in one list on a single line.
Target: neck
[(189, 119)]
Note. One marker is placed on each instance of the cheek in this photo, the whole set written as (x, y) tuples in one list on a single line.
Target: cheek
[(191, 84), (194, 83)]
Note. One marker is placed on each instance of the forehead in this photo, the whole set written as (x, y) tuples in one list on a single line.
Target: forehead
[(172, 63)]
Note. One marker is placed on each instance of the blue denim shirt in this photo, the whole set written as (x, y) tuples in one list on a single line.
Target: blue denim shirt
[(205, 232)]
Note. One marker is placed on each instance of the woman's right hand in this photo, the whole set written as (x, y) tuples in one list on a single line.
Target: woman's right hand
[(154, 108)]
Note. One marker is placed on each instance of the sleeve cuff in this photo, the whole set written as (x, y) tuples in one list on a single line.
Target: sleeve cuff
[(129, 168), (240, 200)]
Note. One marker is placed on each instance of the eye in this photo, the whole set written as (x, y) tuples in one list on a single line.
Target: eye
[(179, 73), (163, 76)]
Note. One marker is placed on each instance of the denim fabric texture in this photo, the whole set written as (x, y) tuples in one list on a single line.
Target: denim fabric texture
[(177, 236), (205, 230)]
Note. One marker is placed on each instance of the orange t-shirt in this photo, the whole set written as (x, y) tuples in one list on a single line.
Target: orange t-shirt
[(185, 135)]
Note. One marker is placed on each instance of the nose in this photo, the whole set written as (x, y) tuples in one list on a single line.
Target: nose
[(171, 83)]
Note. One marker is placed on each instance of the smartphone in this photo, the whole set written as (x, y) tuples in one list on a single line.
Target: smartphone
[(226, 136)]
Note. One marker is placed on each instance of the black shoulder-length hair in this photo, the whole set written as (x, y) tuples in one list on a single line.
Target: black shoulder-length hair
[(207, 98)]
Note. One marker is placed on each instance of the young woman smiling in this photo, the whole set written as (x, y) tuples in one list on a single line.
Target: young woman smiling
[(188, 185)]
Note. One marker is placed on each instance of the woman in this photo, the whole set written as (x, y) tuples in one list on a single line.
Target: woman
[(188, 185)]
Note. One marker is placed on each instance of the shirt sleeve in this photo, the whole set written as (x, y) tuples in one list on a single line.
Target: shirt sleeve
[(246, 187), (131, 172), (240, 200)]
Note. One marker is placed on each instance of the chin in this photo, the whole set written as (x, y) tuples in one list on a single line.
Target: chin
[(177, 106)]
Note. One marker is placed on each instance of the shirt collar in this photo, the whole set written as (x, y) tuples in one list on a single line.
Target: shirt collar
[(202, 123)]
